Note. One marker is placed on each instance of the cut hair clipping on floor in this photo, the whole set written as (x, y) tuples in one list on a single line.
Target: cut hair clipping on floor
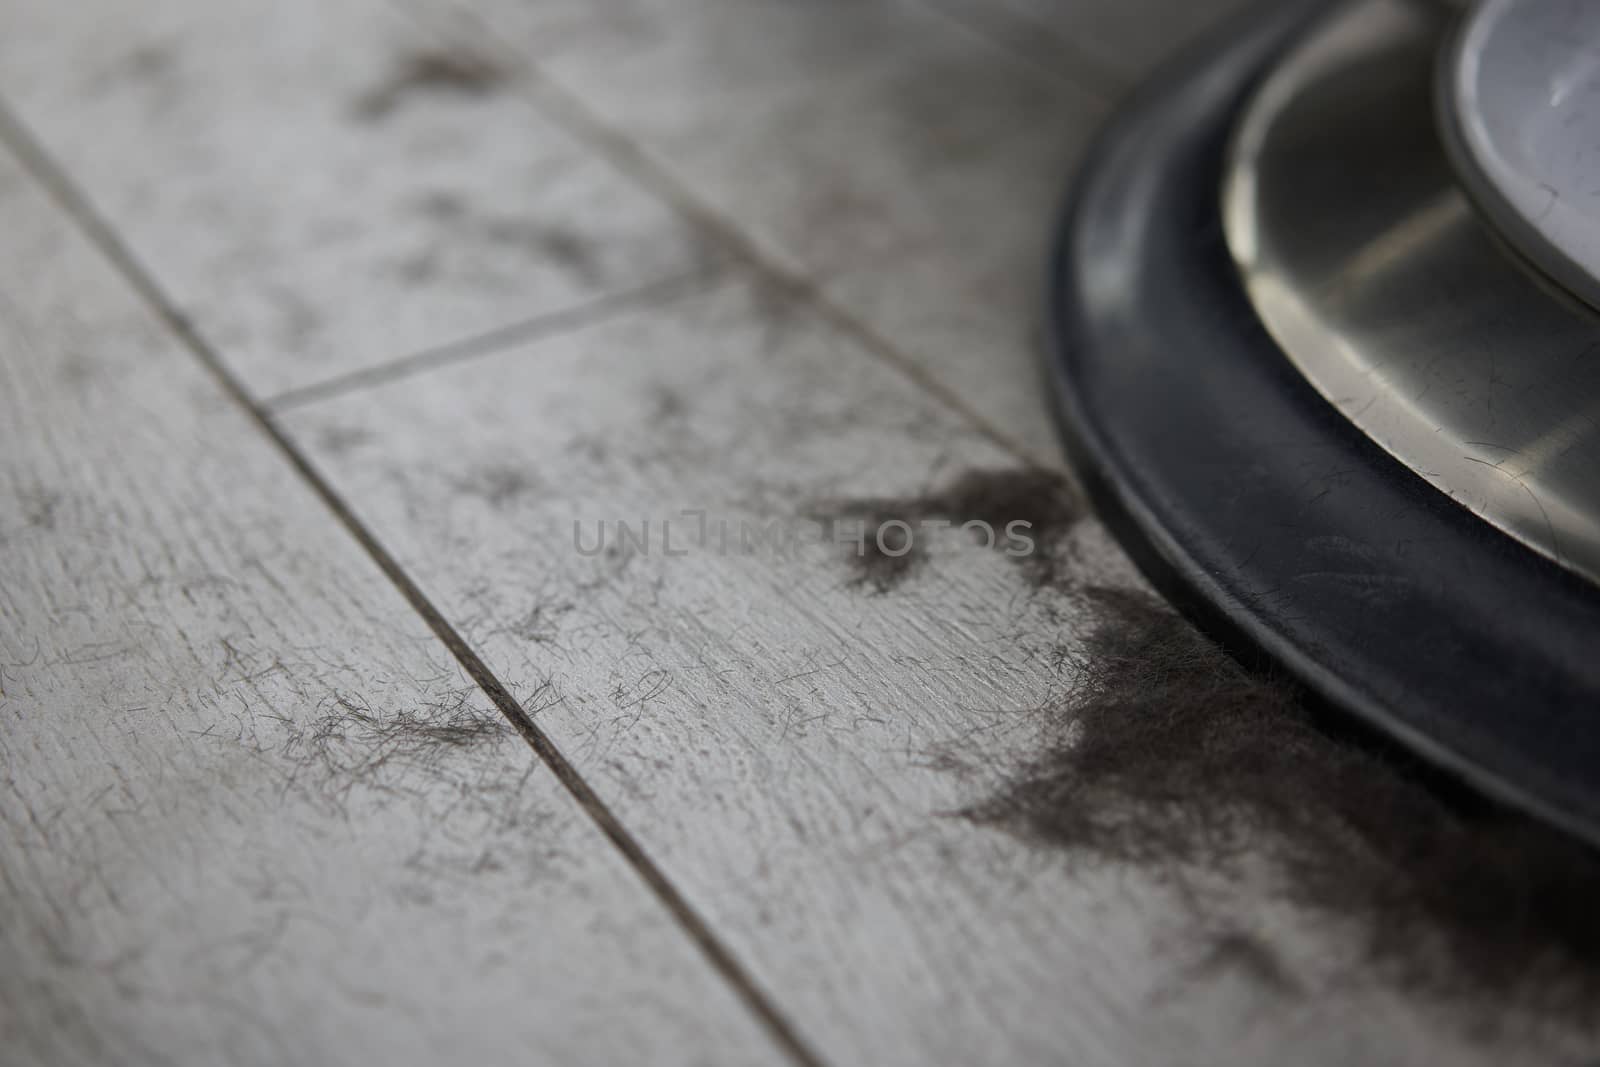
[(1166, 754)]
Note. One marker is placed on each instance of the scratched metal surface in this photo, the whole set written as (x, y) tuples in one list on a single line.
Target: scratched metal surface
[(472, 273)]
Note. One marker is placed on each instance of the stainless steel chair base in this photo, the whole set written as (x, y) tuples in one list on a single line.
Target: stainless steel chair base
[(1396, 299), (1259, 507)]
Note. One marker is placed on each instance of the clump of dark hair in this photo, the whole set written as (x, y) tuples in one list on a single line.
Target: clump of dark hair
[(1040, 497), (1168, 754), (457, 73)]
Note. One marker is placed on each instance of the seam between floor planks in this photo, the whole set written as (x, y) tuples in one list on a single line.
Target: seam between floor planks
[(539, 328), (622, 152), (1001, 29), (30, 153)]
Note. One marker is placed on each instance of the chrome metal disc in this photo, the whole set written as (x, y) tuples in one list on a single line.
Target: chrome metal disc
[(1396, 300)]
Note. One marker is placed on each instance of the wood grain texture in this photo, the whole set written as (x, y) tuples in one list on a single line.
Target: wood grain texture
[(788, 741), (768, 727), (905, 165), (321, 160), (907, 158), (250, 811)]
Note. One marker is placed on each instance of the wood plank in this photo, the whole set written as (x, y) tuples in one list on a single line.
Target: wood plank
[(760, 721), (908, 167), (250, 809), (772, 728), (338, 210)]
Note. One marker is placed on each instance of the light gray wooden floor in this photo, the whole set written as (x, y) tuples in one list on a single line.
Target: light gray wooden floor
[(320, 324)]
